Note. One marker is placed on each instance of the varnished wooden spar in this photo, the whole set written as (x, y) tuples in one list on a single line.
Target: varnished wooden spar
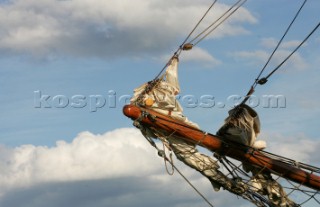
[(214, 143)]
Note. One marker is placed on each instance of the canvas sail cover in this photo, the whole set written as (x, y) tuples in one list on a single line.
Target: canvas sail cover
[(162, 97), (242, 126)]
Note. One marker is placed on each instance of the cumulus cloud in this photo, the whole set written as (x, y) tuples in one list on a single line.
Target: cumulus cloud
[(272, 43), (299, 147), (99, 28), (259, 57), (118, 168), (256, 57), (196, 55), (87, 157), (200, 55)]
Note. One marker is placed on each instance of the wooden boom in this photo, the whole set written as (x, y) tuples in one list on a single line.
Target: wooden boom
[(214, 143)]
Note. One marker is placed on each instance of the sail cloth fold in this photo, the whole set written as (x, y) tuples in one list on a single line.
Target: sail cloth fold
[(162, 97), (264, 184), (207, 166), (164, 101), (242, 126)]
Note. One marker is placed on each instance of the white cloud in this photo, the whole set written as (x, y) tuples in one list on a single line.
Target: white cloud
[(118, 168), (259, 57), (299, 147), (114, 154), (199, 55), (271, 43), (196, 55), (98, 28), (256, 57)]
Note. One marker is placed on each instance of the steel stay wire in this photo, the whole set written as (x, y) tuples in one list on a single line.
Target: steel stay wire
[(265, 79), (279, 43), (227, 13), (315, 28), (186, 39), (205, 14), (152, 83)]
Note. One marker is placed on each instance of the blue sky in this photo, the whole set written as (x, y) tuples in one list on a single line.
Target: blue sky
[(102, 50)]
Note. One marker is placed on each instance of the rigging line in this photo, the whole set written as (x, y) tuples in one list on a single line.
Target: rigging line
[(256, 81), (205, 30), (291, 161), (276, 48), (195, 27), (251, 191), (279, 158), (162, 154), (165, 161), (186, 179), (250, 195), (205, 14), (180, 48), (177, 53), (266, 78), (232, 172), (223, 20), (235, 167)]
